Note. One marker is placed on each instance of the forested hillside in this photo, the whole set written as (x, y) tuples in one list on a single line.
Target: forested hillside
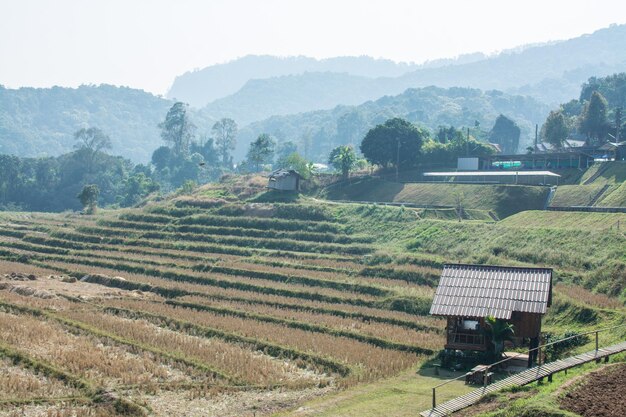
[(42, 121), (318, 132)]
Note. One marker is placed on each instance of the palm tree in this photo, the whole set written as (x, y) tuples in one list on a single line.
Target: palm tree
[(498, 331)]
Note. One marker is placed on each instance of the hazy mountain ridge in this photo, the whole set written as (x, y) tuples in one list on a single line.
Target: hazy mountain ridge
[(290, 94), (550, 72), (203, 86)]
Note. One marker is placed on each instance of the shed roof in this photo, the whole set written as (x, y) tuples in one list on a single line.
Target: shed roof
[(280, 173), (498, 291)]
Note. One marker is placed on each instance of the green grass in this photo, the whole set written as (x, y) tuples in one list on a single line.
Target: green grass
[(590, 172), (405, 395), (614, 197), (613, 173), (504, 200), (565, 220), (575, 195)]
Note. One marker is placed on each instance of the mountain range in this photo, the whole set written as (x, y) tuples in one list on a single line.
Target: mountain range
[(552, 73), (264, 93)]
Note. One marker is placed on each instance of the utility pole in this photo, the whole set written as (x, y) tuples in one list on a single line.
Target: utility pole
[(467, 143), (397, 159), (618, 123), (536, 135)]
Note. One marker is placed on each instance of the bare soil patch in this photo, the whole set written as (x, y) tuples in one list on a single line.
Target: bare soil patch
[(51, 285), (601, 394)]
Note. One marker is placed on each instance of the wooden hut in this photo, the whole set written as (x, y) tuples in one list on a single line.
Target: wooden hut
[(284, 180), (467, 294)]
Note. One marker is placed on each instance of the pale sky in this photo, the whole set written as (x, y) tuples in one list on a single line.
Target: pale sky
[(146, 43)]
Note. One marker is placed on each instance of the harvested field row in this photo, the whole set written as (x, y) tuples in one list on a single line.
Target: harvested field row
[(246, 366), (219, 280), (294, 282), (388, 336), (84, 356), (309, 213), (375, 361), (167, 215), (371, 285), (374, 276), (223, 281), (196, 357), (84, 242), (168, 288), (237, 231), (394, 337), (24, 384), (271, 244)]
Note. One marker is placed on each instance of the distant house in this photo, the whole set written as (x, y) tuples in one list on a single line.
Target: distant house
[(284, 180), (467, 294)]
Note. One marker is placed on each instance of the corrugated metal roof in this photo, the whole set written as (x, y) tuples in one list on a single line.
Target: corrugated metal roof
[(498, 291), (494, 173), (279, 173)]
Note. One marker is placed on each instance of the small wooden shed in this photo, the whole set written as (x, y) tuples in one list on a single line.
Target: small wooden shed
[(467, 294), (284, 180)]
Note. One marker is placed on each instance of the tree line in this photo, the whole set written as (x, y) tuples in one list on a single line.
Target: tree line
[(596, 116), (89, 176)]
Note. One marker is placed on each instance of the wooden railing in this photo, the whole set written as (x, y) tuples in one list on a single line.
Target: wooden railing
[(538, 348), (467, 338)]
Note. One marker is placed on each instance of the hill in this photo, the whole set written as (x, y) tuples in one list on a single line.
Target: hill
[(269, 305), (42, 121), (502, 200), (290, 94), (551, 73), (430, 107), (202, 86)]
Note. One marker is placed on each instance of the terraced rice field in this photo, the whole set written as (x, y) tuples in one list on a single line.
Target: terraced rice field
[(130, 312)]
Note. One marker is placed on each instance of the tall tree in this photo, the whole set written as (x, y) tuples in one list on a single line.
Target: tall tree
[(395, 142), (618, 124), (300, 165), (593, 122), (89, 198), (224, 133), (177, 129), (261, 151), (506, 133), (343, 159), (555, 129), (89, 142)]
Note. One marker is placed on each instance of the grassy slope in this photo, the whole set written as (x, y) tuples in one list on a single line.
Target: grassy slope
[(401, 237), (612, 174), (502, 199), (405, 395), (615, 197), (565, 220), (575, 195), (486, 242)]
